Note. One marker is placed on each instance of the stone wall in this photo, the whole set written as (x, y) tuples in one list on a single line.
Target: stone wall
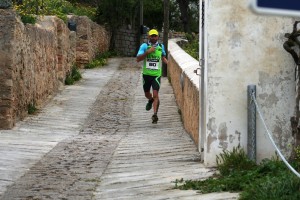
[(35, 59), (5, 3), (185, 84), (127, 41), (90, 39)]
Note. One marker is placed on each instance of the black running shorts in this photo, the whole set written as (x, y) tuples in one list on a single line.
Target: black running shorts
[(151, 81)]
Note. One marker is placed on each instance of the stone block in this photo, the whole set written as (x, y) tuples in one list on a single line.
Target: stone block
[(4, 4)]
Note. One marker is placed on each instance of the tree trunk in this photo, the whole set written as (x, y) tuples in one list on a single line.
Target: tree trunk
[(184, 14), (166, 33)]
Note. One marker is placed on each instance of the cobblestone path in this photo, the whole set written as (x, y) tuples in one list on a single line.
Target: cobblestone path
[(72, 169)]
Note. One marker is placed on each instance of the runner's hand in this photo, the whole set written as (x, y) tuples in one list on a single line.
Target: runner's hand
[(152, 49)]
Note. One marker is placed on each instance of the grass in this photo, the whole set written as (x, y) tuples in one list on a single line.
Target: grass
[(100, 60), (73, 76), (31, 108), (270, 180)]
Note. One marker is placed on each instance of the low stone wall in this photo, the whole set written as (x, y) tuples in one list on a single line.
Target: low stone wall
[(35, 59), (185, 84)]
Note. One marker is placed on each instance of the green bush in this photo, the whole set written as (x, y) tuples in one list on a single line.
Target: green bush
[(31, 108), (236, 160), (28, 19), (270, 180), (100, 59), (61, 8), (283, 186), (192, 47), (96, 63), (73, 76), (69, 80)]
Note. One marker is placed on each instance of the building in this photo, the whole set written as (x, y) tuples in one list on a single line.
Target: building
[(241, 48)]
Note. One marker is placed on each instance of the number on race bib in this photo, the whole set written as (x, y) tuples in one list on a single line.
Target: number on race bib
[(152, 63)]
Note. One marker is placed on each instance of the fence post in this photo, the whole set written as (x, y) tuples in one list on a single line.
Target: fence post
[(251, 144)]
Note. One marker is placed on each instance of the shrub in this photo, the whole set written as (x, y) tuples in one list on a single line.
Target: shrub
[(69, 80), (29, 9), (270, 180), (284, 186), (31, 108), (100, 59), (192, 46), (236, 160), (73, 76), (28, 18)]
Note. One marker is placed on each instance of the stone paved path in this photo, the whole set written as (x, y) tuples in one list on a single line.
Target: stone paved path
[(63, 117), (95, 140)]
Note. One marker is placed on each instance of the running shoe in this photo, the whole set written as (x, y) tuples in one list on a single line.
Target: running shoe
[(154, 119), (149, 104)]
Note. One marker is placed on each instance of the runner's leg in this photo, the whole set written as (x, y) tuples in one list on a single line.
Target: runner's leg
[(147, 86), (156, 87), (156, 99)]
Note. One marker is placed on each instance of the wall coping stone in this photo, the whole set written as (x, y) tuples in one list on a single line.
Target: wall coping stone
[(186, 62)]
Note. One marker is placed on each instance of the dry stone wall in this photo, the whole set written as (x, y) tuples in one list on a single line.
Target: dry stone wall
[(91, 39), (35, 59), (127, 41), (5, 3)]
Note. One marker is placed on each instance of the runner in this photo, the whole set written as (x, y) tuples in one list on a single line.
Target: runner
[(152, 53)]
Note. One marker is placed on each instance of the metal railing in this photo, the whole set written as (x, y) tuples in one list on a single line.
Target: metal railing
[(253, 98)]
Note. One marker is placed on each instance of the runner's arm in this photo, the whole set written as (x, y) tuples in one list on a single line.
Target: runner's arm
[(165, 60), (141, 57)]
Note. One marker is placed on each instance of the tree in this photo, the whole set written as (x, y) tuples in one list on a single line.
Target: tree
[(184, 14), (115, 13), (188, 14), (184, 7), (87, 2), (154, 13)]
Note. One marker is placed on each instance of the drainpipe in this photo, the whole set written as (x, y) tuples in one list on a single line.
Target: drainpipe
[(251, 146), (203, 79)]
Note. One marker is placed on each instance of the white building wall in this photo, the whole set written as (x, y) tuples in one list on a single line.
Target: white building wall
[(243, 48)]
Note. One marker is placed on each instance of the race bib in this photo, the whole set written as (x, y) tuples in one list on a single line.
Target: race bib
[(152, 63)]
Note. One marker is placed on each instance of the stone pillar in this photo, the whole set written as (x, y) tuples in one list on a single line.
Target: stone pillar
[(4, 4)]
